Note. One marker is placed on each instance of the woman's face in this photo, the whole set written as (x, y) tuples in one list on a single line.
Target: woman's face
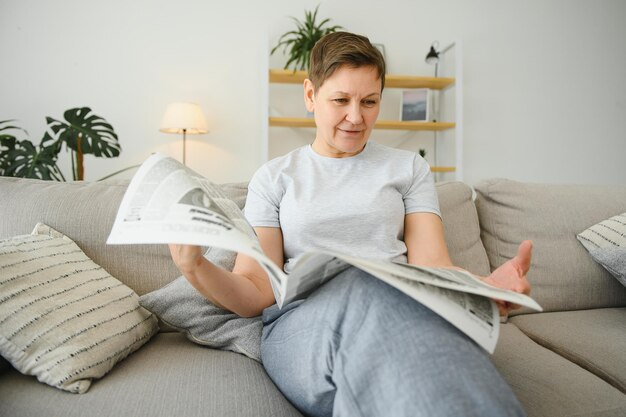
[(346, 107)]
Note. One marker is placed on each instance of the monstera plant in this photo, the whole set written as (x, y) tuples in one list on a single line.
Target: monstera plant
[(82, 133)]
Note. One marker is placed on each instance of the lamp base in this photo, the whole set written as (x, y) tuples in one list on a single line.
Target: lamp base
[(184, 146)]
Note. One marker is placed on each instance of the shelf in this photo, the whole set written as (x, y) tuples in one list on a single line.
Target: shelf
[(410, 81), (380, 124), (282, 76), (443, 169), (398, 125)]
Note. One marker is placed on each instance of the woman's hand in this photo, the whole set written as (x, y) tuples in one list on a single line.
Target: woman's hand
[(186, 257), (512, 276)]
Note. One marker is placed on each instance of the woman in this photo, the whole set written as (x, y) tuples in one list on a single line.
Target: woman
[(356, 346)]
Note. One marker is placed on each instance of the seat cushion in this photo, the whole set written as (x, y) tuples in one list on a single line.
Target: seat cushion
[(548, 384), (169, 376), (593, 339), (563, 275)]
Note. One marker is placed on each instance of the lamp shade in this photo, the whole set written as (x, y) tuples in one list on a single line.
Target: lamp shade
[(184, 118)]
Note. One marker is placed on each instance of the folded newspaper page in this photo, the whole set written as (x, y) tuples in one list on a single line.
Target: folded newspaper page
[(167, 202), (457, 296)]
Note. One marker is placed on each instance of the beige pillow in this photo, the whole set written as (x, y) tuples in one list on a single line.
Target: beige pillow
[(610, 233), (63, 318)]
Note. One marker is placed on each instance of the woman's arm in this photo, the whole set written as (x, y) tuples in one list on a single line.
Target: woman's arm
[(426, 246), (425, 241), (246, 291)]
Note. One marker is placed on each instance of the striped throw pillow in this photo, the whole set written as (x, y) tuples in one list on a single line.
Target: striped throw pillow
[(610, 233), (606, 243), (63, 318)]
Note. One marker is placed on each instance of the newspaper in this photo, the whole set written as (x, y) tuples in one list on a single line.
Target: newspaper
[(167, 202)]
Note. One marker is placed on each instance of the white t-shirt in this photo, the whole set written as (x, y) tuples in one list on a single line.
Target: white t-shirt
[(354, 205)]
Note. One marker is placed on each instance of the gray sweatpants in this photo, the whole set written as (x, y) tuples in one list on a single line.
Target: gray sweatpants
[(359, 347)]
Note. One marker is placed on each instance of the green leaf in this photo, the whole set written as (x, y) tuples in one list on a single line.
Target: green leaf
[(23, 159), (297, 44), (8, 144), (28, 161), (95, 135), (10, 127)]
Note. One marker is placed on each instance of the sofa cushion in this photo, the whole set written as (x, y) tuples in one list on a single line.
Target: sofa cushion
[(563, 275), (609, 233), (84, 211), (593, 339), (169, 376), (63, 318), (606, 243), (613, 260), (182, 307), (461, 227), (21, 207), (236, 191), (549, 385)]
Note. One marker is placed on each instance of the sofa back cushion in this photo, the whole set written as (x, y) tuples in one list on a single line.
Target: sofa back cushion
[(85, 212), (461, 227), (563, 275)]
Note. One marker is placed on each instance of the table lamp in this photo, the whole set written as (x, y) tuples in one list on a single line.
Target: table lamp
[(185, 118)]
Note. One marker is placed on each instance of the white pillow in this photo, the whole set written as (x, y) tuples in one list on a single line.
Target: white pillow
[(606, 234), (63, 318)]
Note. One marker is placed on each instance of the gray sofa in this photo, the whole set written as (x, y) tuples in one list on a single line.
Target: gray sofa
[(566, 361)]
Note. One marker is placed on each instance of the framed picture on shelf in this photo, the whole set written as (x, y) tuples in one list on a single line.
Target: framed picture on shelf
[(415, 105)]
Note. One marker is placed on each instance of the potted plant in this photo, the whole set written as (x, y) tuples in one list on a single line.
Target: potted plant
[(82, 132), (299, 43)]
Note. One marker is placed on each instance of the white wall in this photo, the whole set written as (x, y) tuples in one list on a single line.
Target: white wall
[(545, 92)]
